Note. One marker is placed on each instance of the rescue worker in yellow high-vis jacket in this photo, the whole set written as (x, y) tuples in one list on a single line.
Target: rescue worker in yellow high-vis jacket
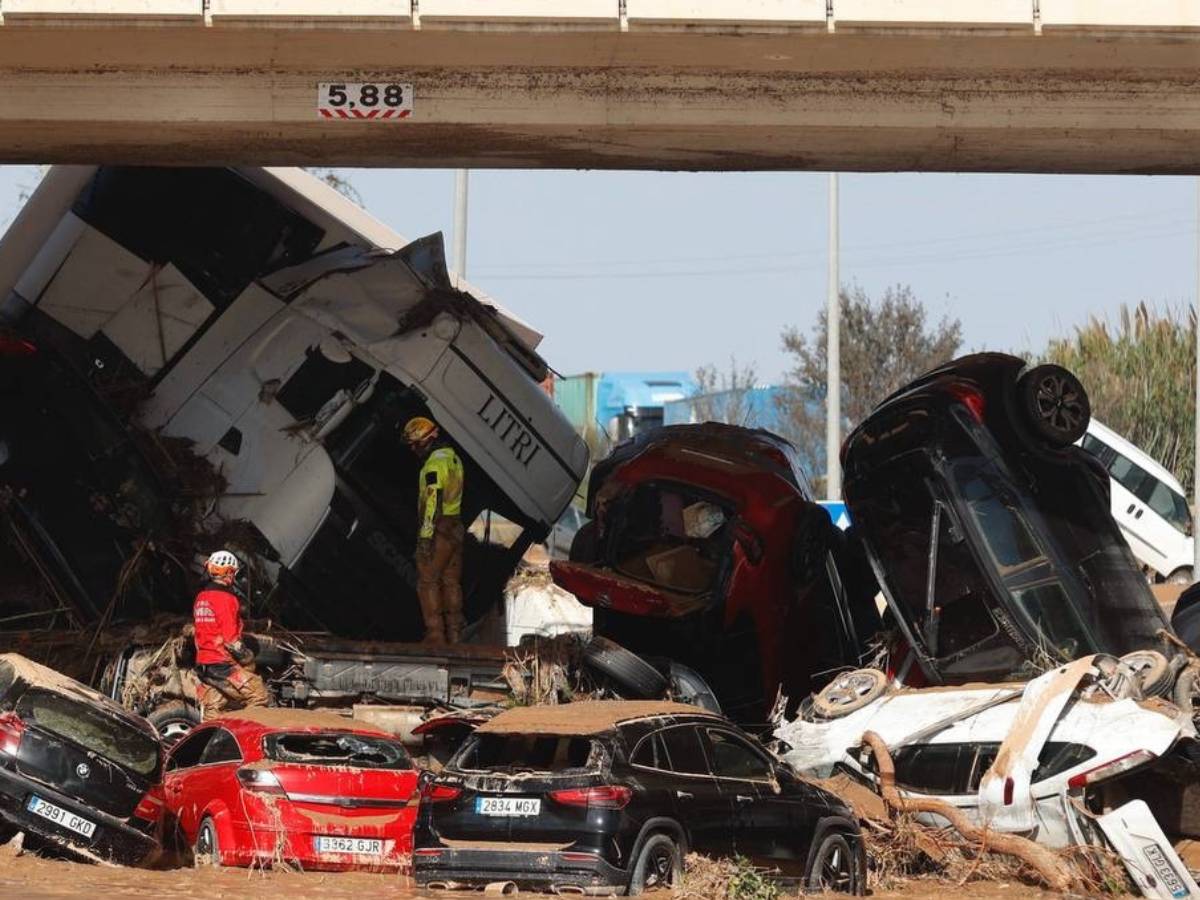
[(440, 539)]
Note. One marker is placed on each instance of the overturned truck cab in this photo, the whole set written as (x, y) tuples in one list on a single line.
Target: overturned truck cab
[(198, 357)]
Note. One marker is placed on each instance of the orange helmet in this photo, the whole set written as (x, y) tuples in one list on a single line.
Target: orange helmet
[(419, 429), (222, 566)]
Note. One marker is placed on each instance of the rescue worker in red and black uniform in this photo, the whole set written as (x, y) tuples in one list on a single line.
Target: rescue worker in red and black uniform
[(223, 662)]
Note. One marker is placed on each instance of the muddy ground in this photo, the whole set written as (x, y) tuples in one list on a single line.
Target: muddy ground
[(39, 879)]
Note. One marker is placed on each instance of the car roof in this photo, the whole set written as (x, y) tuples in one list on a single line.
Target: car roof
[(279, 719), (588, 717)]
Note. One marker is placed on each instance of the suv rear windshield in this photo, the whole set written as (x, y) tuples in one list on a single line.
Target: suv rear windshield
[(337, 749), (530, 753), (79, 722)]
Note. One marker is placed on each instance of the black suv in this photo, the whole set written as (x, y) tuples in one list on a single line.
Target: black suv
[(989, 532), (608, 796), (76, 769)]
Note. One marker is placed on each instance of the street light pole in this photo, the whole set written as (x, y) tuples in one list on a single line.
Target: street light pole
[(833, 352), (1196, 447), (460, 222)]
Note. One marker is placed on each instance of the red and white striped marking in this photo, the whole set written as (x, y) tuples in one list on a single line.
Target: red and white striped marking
[(365, 114)]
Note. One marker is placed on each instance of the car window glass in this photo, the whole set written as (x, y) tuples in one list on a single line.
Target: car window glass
[(7, 676), (187, 752), (650, 753), (531, 753), (92, 728), (358, 751), (1129, 474), (1167, 504), (1046, 606), (684, 751), (960, 594), (734, 758), (997, 519), (935, 768), (222, 747), (1099, 449)]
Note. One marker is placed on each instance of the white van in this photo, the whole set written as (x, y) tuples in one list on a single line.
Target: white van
[(287, 336), (1148, 504)]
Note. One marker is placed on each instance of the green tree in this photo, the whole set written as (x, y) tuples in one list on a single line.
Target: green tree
[(885, 343), (1140, 374)]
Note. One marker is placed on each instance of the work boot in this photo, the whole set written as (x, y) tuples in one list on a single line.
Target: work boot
[(431, 611)]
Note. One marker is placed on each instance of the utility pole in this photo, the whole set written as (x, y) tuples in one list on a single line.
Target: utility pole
[(1196, 448), (833, 353), (460, 222)]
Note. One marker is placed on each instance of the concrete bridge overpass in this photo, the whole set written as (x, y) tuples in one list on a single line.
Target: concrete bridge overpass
[(967, 85)]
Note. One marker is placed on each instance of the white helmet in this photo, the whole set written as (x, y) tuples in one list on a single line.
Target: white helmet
[(222, 564)]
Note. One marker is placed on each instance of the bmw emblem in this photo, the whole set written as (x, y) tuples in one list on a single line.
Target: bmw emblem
[(83, 770)]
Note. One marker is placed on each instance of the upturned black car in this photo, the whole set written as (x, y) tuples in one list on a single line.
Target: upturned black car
[(608, 796), (989, 532), (76, 769)]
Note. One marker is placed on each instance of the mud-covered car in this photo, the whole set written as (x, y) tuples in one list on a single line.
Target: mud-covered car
[(989, 533), (706, 546), (76, 770), (608, 797)]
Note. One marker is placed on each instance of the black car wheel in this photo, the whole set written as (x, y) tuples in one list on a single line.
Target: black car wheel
[(173, 721), (835, 866), (207, 851), (659, 865), (1055, 404), (627, 670)]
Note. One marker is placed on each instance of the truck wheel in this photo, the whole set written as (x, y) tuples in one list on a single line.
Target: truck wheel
[(835, 866), (627, 670), (207, 851), (689, 686), (1054, 403), (849, 692), (659, 865), (174, 720)]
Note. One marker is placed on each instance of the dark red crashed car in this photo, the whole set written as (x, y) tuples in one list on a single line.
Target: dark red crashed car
[(705, 546)]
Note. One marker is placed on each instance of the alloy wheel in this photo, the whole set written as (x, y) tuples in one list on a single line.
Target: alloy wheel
[(1058, 403), (661, 871), (837, 870)]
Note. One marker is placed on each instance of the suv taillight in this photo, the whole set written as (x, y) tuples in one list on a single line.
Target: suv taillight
[(439, 793), (971, 398), (1112, 768), (12, 345), (11, 729), (609, 796)]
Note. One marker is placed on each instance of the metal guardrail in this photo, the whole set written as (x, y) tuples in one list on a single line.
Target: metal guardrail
[(1016, 16)]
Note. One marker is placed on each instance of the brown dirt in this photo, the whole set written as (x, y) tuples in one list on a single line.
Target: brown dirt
[(303, 719), (589, 717), (39, 879)]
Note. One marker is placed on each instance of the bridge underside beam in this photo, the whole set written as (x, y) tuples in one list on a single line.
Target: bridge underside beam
[(1071, 102)]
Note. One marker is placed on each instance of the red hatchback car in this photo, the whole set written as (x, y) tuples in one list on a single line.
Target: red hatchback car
[(311, 789)]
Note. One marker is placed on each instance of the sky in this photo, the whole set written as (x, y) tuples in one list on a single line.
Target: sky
[(671, 271)]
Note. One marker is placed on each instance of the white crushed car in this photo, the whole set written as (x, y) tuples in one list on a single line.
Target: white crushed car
[(1079, 755)]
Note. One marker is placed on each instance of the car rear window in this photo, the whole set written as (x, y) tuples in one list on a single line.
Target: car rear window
[(106, 735), (333, 748), (531, 753)]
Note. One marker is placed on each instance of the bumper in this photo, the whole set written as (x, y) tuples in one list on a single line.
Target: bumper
[(553, 869), (257, 846), (112, 840)]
